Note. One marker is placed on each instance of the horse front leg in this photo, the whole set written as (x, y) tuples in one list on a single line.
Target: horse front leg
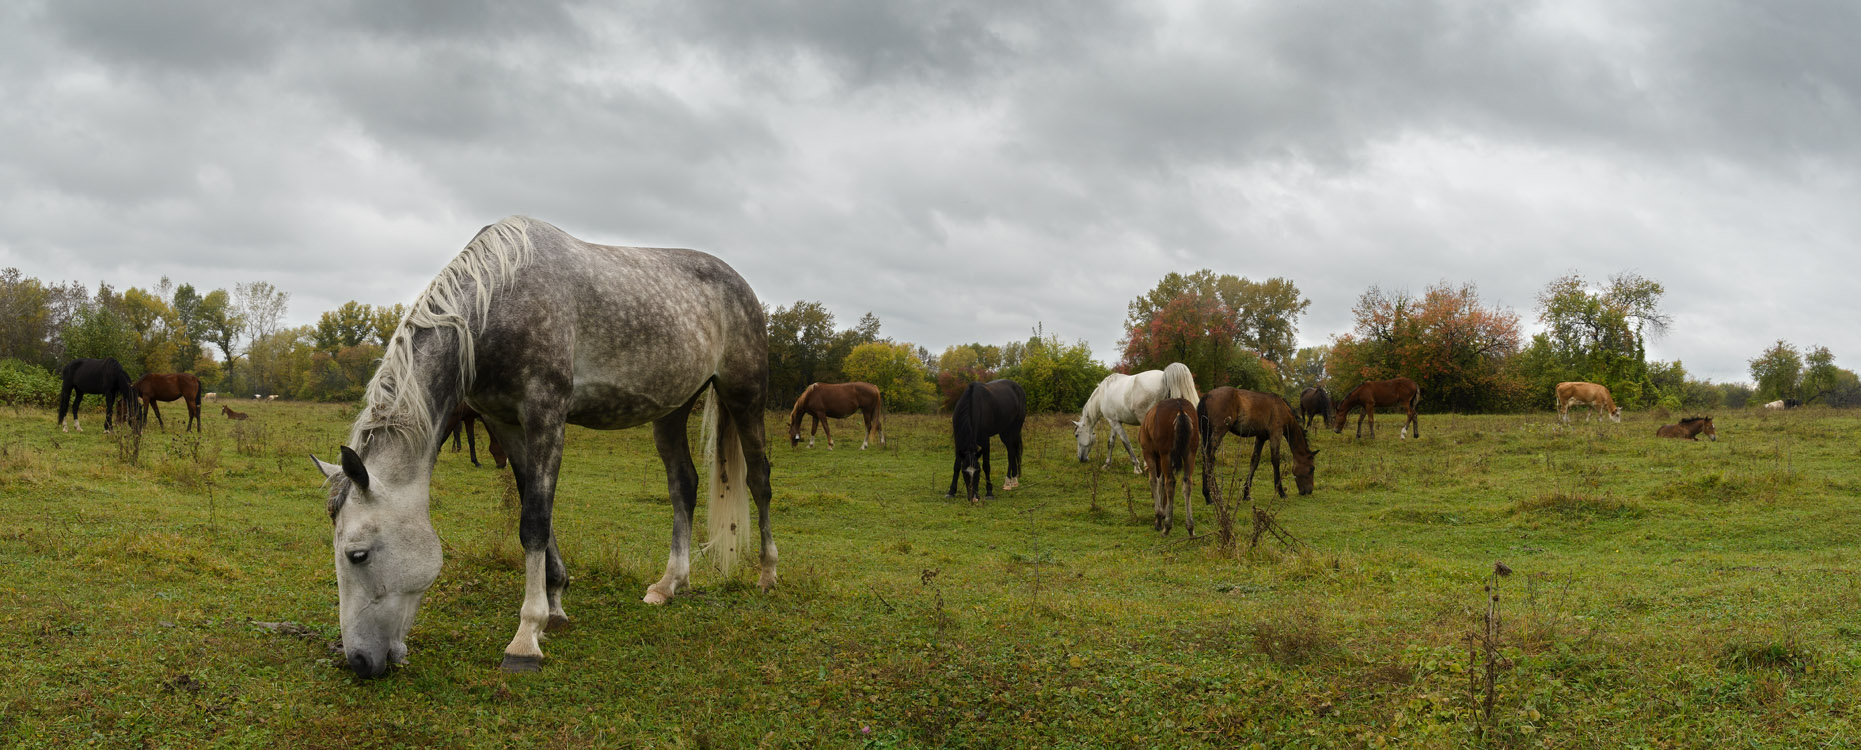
[(1278, 485), (1137, 463), (682, 484), (988, 479), (956, 470), (536, 461), (815, 427), (1247, 490)]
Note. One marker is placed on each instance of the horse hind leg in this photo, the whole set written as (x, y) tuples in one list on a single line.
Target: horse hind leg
[(682, 484), (753, 444)]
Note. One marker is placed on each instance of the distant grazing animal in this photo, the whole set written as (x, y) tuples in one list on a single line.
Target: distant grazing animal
[(1124, 399), (461, 421), (210, 396), (538, 330), (825, 401), (272, 397), (1315, 402), (1374, 393), (233, 415), (998, 407), (100, 376), (1170, 437), (1689, 428), (1577, 392), (1783, 403), (1264, 417), (171, 386), (256, 397)]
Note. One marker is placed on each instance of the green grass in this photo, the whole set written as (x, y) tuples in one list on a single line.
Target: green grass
[(1666, 593)]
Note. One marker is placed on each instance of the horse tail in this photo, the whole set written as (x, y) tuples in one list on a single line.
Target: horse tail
[(1178, 382), (728, 507), (1208, 449), (1179, 454)]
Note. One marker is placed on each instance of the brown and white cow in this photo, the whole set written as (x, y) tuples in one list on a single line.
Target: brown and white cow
[(1576, 393)]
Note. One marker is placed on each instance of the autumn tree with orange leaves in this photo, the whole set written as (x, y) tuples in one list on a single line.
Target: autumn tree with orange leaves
[(1449, 342)]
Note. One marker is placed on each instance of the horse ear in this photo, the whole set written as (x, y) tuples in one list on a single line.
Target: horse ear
[(328, 469), (1314, 454), (352, 467)]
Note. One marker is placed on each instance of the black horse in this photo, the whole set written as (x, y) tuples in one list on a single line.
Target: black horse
[(997, 407), (1315, 402), (99, 376)]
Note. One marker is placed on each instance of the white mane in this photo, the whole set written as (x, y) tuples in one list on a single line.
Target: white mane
[(397, 399)]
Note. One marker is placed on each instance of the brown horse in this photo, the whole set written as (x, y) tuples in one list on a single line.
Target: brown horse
[(1265, 418), (1374, 393), (1690, 429), (168, 387), (462, 419), (1169, 437), (1315, 402), (824, 401), (238, 416)]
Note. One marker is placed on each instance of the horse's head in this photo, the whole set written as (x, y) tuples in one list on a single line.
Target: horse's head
[(387, 555), (1709, 432), (1082, 433), (969, 463), (1302, 469), (1615, 413)]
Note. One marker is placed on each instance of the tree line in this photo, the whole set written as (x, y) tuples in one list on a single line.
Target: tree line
[(1466, 354)]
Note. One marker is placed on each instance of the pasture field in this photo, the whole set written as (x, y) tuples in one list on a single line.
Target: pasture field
[(1663, 594)]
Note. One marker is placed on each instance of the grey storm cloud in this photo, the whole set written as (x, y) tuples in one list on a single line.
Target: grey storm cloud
[(966, 170)]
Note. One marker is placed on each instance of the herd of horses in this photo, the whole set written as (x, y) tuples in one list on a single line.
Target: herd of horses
[(528, 329)]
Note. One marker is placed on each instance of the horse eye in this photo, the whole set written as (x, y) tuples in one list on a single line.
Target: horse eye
[(358, 556)]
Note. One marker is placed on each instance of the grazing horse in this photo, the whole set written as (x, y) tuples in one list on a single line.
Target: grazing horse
[(1784, 403), (100, 376), (210, 396), (170, 387), (1573, 393), (1124, 399), (1315, 402), (1690, 428), (997, 407), (237, 416), (1376, 393), (461, 421), (538, 330), (825, 401), (1265, 418), (1169, 438)]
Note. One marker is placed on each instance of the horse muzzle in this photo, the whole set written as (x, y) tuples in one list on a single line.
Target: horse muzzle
[(366, 665)]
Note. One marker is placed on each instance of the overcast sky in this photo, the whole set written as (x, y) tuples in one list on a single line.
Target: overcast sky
[(965, 170)]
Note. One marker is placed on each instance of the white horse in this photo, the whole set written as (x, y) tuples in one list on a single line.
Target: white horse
[(1124, 399), (536, 330)]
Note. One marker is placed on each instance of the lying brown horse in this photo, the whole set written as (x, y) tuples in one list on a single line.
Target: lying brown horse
[(169, 387), (462, 419), (1169, 438), (1690, 428), (824, 401), (1265, 418), (1375, 393), (238, 416)]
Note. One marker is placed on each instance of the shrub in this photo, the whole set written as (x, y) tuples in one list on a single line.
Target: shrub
[(23, 384)]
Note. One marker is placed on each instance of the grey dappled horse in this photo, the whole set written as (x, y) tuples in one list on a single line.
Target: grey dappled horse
[(536, 330)]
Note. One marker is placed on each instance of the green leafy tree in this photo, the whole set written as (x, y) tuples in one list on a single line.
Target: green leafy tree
[(346, 326), (387, 320), (25, 317), (1449, 342), (896, 370), (1057, 376), (1307, 368), (1777, 372), (1597, 333), (1262, 316), (804, 348), (220, 324)]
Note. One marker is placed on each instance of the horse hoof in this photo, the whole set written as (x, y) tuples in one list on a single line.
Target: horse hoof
[(515, 663), (558, 624), (767, 583), (654, 596)]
